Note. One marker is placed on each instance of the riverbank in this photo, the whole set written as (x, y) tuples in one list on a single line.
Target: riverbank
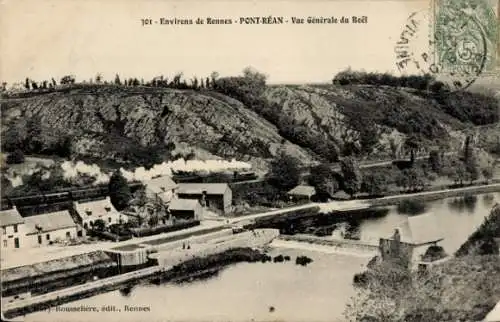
[(435, 195), (153, 275), (226, 252)]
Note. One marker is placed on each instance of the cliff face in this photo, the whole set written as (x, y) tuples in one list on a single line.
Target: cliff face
[(101, 122), (110, 122)]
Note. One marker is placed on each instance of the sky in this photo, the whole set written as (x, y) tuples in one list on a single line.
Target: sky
[(53, 38)]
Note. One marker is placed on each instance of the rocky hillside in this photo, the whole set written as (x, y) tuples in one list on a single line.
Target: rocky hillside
[(144, 125)]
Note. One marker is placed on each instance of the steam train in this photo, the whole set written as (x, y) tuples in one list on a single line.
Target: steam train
[(216, 177), (57, 197)]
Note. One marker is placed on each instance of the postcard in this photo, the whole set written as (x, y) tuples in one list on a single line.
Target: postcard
[(250, 160)]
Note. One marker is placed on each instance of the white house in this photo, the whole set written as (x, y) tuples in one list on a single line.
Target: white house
[(12, 229), (51, 227), (163, 188), (103, 209)]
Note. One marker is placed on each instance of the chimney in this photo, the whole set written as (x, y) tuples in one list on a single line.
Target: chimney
[(396, 236)]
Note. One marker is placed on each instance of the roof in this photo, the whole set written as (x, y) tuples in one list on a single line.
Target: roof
[(96, 208), (10, 217), (420, 230), (184, 204), (341, 194), (303, 191), (49, 222), (198, 188), (494, 315), (161, 184)]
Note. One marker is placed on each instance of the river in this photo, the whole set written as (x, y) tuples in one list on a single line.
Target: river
[(246, 292)]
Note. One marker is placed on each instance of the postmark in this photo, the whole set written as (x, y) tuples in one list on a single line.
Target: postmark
[(454, 41)]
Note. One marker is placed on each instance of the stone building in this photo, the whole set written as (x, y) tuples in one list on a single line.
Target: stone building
[(411, 240), (215, 196)]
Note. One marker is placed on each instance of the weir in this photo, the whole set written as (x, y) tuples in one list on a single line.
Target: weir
[(342, 245)]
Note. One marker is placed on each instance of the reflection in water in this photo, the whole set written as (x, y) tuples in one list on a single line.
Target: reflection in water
[(465, 203), (126, 290), (456, 218), (246, 291), (412, 207)]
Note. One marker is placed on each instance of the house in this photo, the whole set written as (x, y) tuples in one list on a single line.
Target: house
[(162, 187), (216, 196), (302, 192), (13, 228), (185, 209), (411, 239), (52, 227), (89, 212)]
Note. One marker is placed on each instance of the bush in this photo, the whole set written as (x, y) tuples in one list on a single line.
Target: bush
[(482, 241), (15, 157), (107, 235), (249, 90), (142, 232), (303, 260)]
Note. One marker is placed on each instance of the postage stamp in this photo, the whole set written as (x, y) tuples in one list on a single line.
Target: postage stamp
[(455, 40), (465, 36)]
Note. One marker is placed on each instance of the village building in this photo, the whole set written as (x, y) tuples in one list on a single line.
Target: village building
[(89, 212), (187, 209), (162, 188), (216, 196), (302, 192), (12, 229), (42, 230), (412, 240)]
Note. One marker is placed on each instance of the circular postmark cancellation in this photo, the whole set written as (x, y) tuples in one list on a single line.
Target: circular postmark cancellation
[(454, 41)]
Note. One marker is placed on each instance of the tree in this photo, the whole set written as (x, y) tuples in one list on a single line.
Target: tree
[(66, 80), (487, 172), (99, 225), (467, 148), (324, 180), (435, 161), (394, 146), (284, 172), (252, 73), (27, 84), (351, 175), (457, 173), (15, 157), (153, 220), (412, 143), (374, 184), (117, 80), (98, 78), (119, 191), (213, 77), (470, 160)]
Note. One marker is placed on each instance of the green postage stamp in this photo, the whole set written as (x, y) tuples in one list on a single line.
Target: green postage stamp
[(465, 37)]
